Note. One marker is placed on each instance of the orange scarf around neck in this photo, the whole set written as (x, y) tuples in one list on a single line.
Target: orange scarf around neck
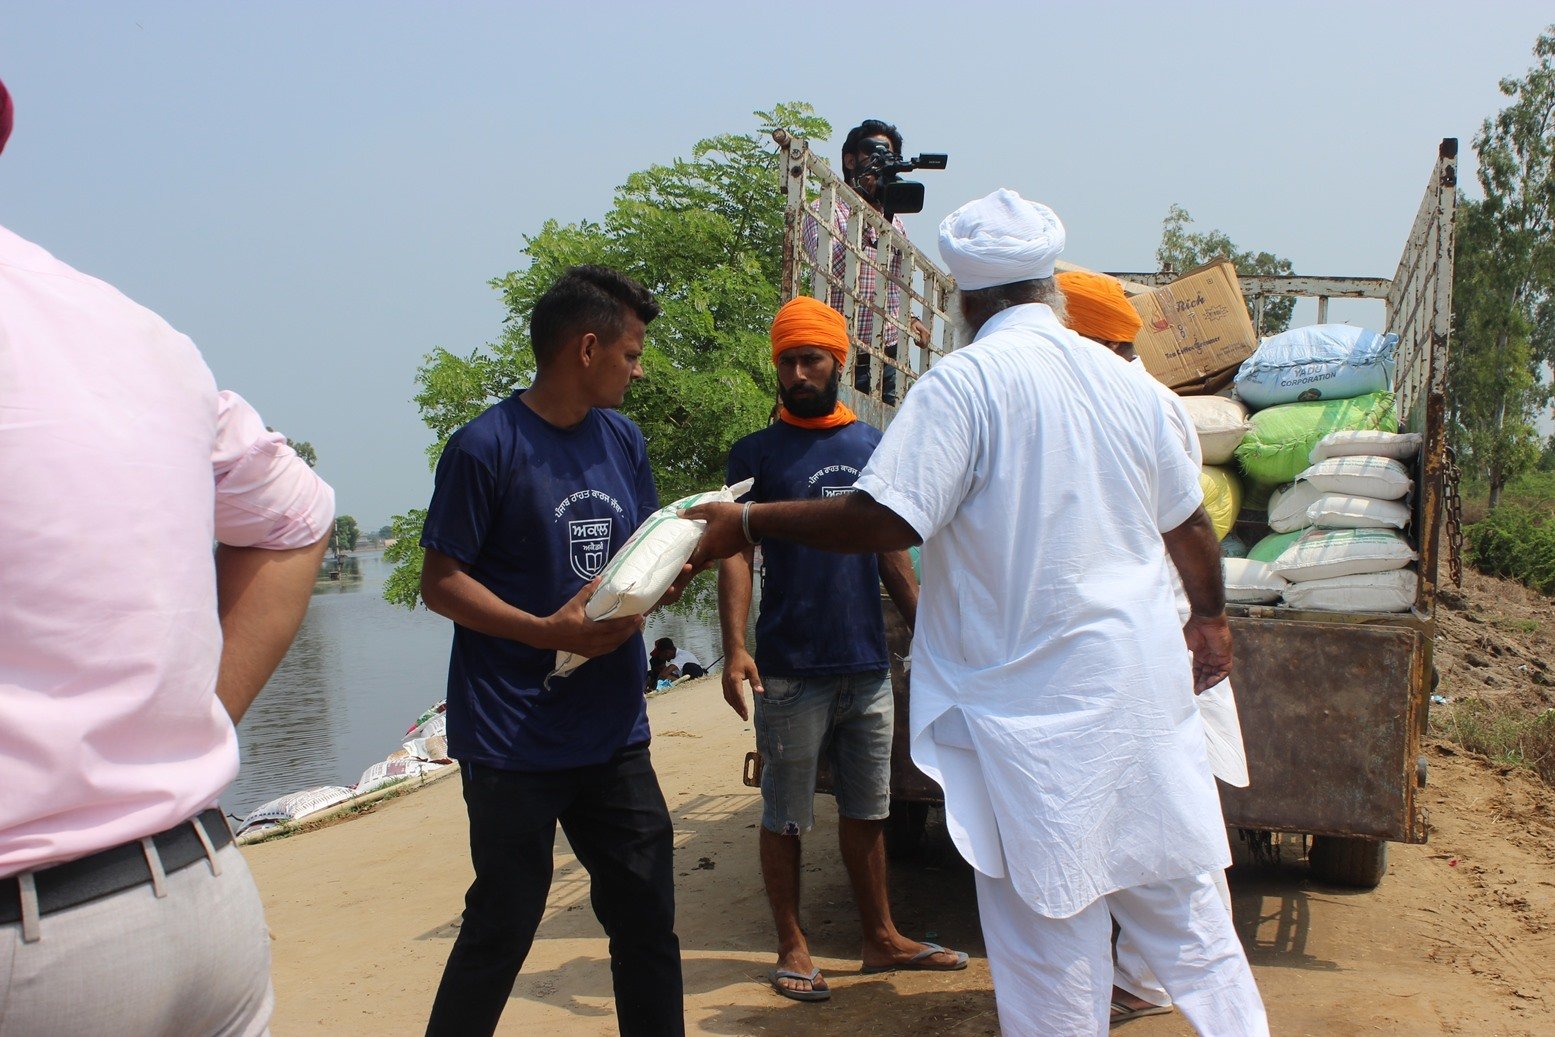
[(841, 415)]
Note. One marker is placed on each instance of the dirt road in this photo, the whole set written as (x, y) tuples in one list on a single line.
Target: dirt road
[(1457, 940)]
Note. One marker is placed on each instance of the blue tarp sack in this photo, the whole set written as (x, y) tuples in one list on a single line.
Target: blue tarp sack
[(1321, 362)]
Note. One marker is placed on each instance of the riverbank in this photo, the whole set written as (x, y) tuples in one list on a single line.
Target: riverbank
[(363, 914)]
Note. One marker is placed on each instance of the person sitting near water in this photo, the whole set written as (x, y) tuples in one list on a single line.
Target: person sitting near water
[(666, 662)]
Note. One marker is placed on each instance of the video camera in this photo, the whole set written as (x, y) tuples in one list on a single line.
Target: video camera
[(892, 193)]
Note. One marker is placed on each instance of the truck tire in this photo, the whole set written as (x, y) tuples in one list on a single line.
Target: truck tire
[(1339, 860), (904, 829)]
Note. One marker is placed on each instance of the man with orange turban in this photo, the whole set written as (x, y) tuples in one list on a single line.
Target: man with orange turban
[(821, 673), (1098, 309)]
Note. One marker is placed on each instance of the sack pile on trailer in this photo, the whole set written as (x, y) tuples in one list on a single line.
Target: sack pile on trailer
[(1326, 478)]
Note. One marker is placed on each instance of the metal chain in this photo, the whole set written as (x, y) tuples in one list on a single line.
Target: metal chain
[(1454, 507)]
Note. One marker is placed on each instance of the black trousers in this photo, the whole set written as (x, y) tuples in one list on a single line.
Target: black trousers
[(615, 818)]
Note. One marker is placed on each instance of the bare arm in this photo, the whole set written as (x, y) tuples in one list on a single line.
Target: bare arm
[(851, 523), (735, 579), (1196, 554), (901, 583), (449, 590), (261, 597)]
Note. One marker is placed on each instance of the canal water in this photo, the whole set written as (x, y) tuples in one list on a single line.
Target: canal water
[(359, 674)]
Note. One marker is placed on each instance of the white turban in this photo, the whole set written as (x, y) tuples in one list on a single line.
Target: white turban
[(1000, 239)]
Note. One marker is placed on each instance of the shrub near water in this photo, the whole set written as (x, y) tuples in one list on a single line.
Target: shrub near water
[(1518, 543)]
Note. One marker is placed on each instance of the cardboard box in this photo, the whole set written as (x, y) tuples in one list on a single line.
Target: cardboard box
[(1197, 329)]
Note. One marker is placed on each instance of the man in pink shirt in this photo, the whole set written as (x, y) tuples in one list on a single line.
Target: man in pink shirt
[(127, 653)]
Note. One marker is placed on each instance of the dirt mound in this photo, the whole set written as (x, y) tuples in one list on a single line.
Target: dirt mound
[(1495, 641)]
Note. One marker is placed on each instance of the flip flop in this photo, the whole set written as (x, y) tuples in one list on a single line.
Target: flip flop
[(813, 994), (1122, 1013), (920, 962)]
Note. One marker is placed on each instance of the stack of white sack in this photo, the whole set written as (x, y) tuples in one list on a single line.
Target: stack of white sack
[(1353, 503), (639, 574)]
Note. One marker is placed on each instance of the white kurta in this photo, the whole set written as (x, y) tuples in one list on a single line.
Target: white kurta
[(1052, 696)]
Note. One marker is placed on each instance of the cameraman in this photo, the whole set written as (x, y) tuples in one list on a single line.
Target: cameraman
[(860, 151)]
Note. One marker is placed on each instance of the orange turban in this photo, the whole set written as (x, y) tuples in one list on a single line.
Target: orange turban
[(803, 321), (1098, 309)]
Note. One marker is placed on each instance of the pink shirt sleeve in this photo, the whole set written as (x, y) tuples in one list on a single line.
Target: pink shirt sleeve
[(266, 496)]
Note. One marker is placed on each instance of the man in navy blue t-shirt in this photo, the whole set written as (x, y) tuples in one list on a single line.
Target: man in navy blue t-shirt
[(531, 499), (821, 674)]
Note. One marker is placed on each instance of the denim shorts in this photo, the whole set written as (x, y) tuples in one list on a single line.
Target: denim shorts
[(846, 717)]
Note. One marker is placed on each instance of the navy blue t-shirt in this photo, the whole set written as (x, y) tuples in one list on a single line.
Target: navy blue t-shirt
[(820, 610), (535, 512)]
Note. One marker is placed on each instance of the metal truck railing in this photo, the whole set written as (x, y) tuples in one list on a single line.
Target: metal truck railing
[(923, 291)]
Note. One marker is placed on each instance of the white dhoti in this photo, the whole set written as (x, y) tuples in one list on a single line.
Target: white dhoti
[(1053, 976), (1134, 974), (1228, 762)]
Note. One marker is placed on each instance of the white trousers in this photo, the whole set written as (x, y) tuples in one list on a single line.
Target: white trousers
[(1133, 973), (194, 962), (1053, 976)]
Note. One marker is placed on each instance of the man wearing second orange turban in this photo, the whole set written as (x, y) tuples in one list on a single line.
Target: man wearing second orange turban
[(1098, 309), (821, 673)]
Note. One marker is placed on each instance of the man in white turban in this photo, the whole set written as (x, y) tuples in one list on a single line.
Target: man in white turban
[(1051, 691)]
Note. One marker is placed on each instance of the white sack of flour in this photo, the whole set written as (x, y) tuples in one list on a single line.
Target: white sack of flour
[(639, 574)]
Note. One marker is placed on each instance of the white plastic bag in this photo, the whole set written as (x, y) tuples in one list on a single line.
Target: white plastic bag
[(1223, 734), (639, 574)]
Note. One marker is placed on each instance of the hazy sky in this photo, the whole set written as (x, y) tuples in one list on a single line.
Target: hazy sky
[(318, 192)]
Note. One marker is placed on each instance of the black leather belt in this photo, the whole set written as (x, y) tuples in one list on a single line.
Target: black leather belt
[(114, 870)]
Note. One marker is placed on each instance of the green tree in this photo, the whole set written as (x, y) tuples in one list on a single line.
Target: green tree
[(383, 533), (1504, 282), (1547, 456), (705, 234), (1182, 249), (306, 452), (346, 533), (403, 587)]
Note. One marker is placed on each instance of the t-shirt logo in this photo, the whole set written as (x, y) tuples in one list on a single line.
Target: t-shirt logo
[(836, 491), (589, 545)]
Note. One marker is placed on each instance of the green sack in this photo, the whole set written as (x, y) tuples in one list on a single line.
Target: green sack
[(1280, 444), (1273, 545)]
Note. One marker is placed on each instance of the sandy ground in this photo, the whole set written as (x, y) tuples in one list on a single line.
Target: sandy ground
[(1457, 940)]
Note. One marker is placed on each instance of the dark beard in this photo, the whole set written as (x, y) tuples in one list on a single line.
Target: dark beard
[(816, 405)]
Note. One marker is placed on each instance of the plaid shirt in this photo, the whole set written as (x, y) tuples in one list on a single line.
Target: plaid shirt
[(864, 317)]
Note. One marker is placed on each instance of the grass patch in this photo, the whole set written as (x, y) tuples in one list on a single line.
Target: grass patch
[(1505, 735), (1515, 626)]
